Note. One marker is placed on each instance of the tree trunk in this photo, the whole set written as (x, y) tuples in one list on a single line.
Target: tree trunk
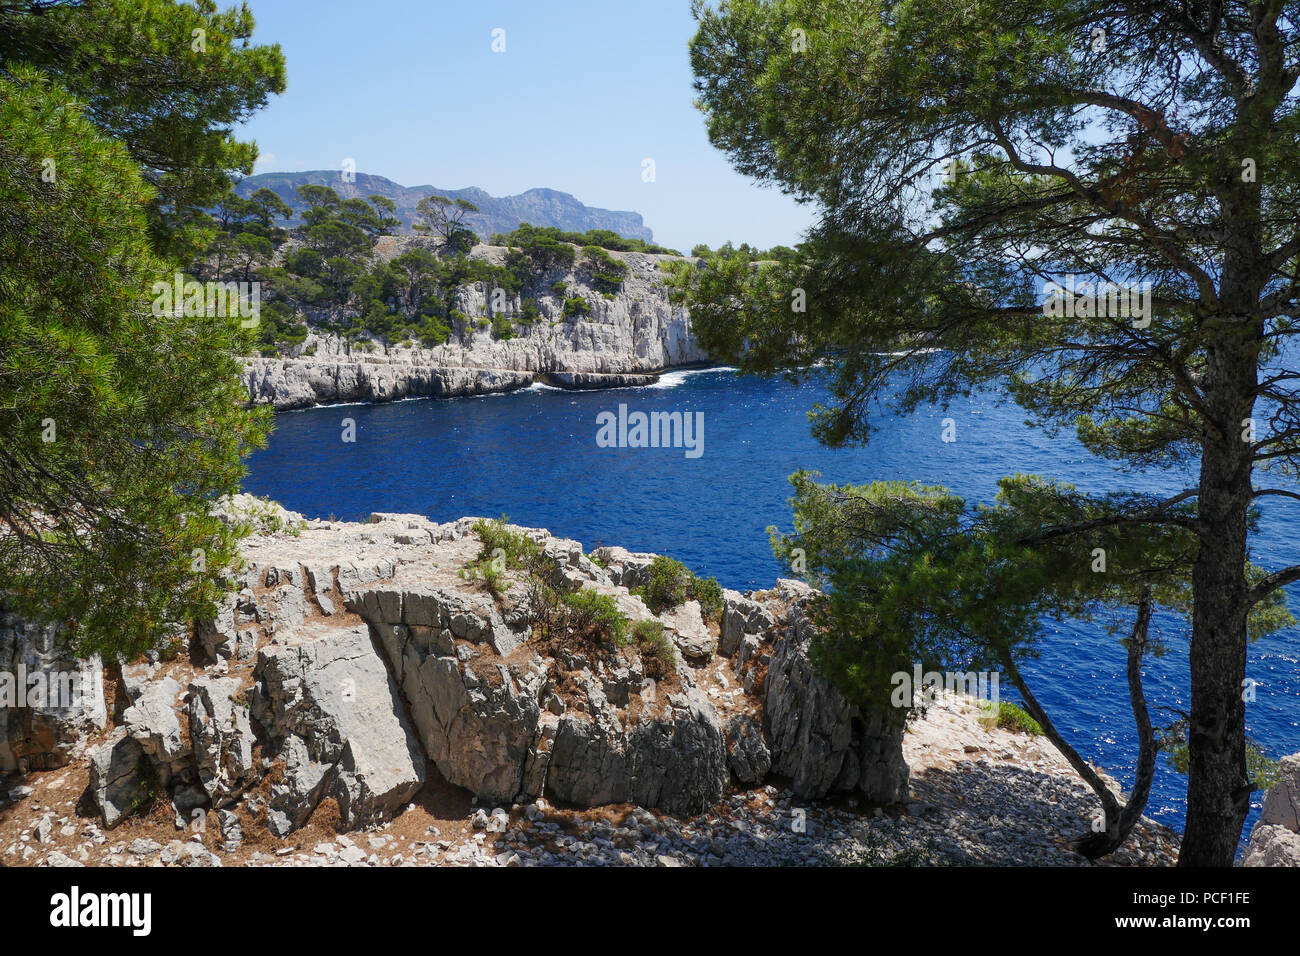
[(1218, 788), (1097, 845), (1109, 804), (1117, 822), (1146, 763)]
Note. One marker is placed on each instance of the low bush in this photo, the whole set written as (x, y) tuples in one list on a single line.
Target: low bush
[(502, 330), (672, 584), (658, 656), (510, 549), (487, 571), (1011, 717), (709, 593), (668, 585), (592, 616), (255, 515)]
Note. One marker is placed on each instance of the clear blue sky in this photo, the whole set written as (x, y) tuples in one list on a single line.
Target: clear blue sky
[(584, 92)]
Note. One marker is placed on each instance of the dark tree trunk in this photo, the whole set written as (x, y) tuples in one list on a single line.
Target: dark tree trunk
[(1118, 822), (1218, 788), (1116, 832), (1147, 748)]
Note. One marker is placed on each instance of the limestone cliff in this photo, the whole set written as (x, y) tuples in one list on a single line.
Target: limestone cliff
[(624, 340), (350, 656)]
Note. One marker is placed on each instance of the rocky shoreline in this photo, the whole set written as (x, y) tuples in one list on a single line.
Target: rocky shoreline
[(361, 699), (626, 339)]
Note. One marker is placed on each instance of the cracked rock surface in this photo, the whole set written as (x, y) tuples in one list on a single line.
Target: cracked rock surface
[(359, 701)]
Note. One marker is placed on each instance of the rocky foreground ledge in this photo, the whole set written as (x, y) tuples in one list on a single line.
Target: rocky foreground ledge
[(359, 701)]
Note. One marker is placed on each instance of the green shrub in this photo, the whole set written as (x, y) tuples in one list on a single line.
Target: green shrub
[(658, 656), (1011, 717), (709, 593), (594, 616), (574, 307), (668, 586), (584, 615), (264, 516), (559, 287), (527, 235), (599, 258), (607, 273), (672, 583), (433, 331), (502, 549), (517, 550), (533, 252), (501, 328), (486, 571)]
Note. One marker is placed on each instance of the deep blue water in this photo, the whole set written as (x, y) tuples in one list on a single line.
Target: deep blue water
[(532, 455)]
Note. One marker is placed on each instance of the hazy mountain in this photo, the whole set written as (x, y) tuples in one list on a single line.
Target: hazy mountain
[(541, 207)]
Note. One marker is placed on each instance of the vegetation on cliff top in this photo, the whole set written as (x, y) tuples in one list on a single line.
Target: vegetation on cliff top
[(327, 272)]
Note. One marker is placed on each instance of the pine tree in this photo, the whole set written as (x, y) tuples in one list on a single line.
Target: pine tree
[(971, 162)]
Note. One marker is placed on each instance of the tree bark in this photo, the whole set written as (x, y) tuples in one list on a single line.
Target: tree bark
[(1147, 749), (1109, 840), (1218, 787)]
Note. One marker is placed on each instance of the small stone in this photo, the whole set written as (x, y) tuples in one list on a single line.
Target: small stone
[(353, 855), (143, 847)]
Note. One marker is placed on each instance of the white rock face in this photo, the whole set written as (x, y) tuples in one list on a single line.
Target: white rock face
[(637, 333), (118, 783), (820, 740), (1275, 841), (330, 706), (223, 738), (348, 656), (688, 631), (48, 730), (153, 722)]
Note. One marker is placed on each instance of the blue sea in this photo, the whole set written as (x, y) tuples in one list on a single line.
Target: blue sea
[(532, 455)]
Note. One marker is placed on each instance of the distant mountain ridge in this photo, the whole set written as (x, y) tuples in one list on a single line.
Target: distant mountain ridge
[(541, 207)]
